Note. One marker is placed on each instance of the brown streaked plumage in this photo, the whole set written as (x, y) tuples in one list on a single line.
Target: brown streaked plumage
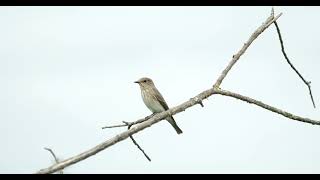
[(153, 99)]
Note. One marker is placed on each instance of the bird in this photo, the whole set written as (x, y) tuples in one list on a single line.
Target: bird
[(153, 99)]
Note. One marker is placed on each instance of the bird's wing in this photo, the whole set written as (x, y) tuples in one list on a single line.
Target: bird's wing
[(159, 97)]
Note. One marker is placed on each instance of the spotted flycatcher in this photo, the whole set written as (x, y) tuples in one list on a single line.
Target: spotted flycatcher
[(153, 99)]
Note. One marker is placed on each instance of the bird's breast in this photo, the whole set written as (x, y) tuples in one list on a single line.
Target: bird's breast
[(150, 101)]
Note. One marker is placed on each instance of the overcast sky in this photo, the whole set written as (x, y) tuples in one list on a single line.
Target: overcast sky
[(67, 71)]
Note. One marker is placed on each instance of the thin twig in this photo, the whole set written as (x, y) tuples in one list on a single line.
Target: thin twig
[(135, 142), (54, 156), (291, 65), (129, 123), (115, 126)]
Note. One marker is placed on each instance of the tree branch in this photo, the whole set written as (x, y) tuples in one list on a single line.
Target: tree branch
[(291, 65), (271, 19), (266, 106), (158, 117), (235, 58), (147, 122), (124, 135)]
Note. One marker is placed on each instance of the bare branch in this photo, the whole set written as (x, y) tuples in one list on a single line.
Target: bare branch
[(140, 148), (135, 142), (124, 135), (160, 116), (54, 156), (291, 65), (150, 120), (265, 106), (236, 57)]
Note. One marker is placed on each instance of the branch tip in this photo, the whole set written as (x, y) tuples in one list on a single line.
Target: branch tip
[(135, 142), (201, 103)]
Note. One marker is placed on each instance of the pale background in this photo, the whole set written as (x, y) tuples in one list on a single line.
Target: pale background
[(67, 71)]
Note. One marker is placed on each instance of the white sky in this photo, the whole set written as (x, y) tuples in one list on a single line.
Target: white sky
[(67, 71)]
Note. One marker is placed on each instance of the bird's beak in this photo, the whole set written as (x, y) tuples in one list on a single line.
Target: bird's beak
[(136, 82)]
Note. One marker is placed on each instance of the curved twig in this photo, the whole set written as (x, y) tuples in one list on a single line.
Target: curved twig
[(54, 156), (135, 142), (291, 65)]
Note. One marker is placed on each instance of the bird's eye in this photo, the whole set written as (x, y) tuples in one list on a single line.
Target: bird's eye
[(145, 81)]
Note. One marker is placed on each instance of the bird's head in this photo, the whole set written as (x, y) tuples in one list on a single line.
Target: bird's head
[(145, 82)]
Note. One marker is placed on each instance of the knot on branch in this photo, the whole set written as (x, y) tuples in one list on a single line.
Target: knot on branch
[(197, 100)]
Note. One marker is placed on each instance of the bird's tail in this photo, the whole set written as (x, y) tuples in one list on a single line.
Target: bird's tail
[(174, 125)]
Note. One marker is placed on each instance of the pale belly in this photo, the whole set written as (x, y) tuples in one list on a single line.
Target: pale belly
[(152, 103)]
